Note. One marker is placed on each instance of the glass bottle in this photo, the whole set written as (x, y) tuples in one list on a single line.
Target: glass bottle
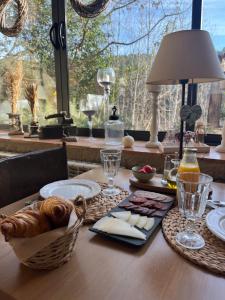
[(188, 171), (189, 162), (114, 129)]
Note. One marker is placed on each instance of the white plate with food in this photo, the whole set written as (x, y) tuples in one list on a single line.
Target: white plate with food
[(215, 221), (71, 188)]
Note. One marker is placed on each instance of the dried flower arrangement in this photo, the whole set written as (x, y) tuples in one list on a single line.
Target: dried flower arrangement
[(32, 98), (13, 79)]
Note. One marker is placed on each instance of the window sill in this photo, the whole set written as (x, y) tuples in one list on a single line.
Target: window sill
[(212, 163)]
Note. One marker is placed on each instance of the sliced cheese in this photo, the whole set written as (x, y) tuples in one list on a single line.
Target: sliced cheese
[(149, 224), (133, 220), (123, 215), (102, 222), (120, 227), (142, 222)]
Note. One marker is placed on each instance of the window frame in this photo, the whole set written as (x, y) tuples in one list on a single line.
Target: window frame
[(62, 74)]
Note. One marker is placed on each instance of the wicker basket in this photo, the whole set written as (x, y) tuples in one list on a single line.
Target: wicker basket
[(59, 251)]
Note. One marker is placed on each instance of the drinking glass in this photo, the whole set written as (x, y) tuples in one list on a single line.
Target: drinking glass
[(172, 174), (192, 190), (89, 108), (105, 78), (111, 163), (167, 168)]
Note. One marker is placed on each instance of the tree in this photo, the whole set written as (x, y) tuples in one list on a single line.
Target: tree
[(126, 36)]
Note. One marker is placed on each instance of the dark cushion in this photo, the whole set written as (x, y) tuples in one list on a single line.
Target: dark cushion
[(24, 175)]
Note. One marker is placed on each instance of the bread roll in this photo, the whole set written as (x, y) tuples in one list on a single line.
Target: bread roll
[(57, 210), (23, 224)]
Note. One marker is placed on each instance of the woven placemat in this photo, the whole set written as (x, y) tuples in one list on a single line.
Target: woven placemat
[(100, 205), (211, 257)]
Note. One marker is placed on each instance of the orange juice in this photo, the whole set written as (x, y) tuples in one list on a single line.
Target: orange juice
[(189, 163), (190, 168)]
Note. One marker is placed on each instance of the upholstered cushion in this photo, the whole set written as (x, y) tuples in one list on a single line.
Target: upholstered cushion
[(23, 175)]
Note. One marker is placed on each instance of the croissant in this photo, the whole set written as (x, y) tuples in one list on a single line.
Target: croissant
[(57, 210), (28, 223)]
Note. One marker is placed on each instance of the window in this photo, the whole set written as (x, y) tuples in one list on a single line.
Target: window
[(211, 96), (25, 60), (126, 36)]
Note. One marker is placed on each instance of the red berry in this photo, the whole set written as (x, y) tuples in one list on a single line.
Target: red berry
[(148, 169), (142, 170)]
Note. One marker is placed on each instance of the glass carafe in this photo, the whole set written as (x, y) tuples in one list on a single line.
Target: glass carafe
[(114, 130)]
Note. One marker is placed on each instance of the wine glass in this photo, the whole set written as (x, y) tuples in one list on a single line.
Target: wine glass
[(105, 78), (193, 190), (89, 108), (111, 163)]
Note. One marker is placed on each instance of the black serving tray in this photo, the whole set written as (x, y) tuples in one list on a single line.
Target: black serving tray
[(130, 240)]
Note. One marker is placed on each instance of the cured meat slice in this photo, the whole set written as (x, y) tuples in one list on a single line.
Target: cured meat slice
[(150, 204), (159, 205), (140, 210), (150, 212), (128, 205), (168, 199), (153, 196), (164, 206), (150, 195), (145, 194), (158, 213), (138, 200), (144, 211), (156, 205)]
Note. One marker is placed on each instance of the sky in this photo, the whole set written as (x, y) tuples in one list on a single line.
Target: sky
[(129, 23), (214, 21)]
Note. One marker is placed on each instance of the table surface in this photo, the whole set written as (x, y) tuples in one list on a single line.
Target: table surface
[(103, 269)]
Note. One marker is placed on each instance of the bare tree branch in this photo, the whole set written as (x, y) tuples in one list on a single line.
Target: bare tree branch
[(140, 37), (79, 45), (120, 7)]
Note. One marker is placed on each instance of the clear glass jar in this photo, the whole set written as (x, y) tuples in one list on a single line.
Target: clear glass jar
[(114, 130)]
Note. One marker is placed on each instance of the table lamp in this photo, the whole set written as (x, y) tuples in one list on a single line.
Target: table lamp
[(186, 56)]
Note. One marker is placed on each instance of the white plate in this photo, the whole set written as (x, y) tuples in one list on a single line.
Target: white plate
[(69, 189), (215, 221)]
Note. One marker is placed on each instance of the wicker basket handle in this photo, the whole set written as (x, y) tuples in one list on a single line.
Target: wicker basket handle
[(2, 217), (80, 206)]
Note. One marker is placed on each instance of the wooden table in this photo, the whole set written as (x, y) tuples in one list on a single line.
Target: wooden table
[(102, 269)]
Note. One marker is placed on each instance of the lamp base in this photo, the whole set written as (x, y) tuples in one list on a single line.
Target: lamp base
[(220, 148), (153, 145)]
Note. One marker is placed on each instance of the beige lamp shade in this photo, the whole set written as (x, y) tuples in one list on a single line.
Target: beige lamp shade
[(186, 55)]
